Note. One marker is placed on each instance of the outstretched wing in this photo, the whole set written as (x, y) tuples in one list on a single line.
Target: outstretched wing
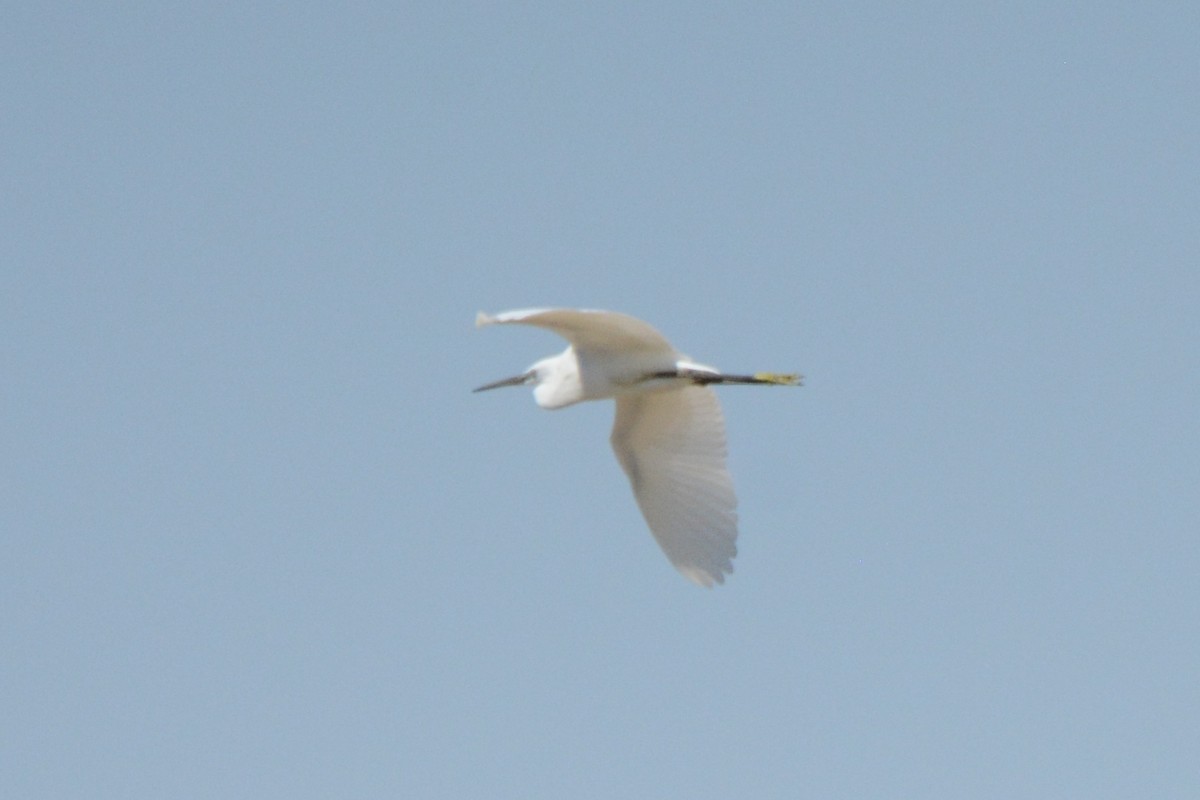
[(594, 332), (671, 444)]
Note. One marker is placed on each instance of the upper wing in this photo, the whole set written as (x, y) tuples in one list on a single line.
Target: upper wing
[(671, 444), (595, 331)]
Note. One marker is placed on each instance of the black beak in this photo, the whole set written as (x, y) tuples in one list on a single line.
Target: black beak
[(516, 380)]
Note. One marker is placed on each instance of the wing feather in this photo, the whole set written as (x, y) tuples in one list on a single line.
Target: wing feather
[(593, 332), (671, 444)]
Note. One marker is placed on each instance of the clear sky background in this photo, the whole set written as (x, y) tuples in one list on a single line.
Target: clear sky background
[(259, 540)]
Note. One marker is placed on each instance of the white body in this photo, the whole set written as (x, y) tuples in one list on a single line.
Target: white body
[(668, 434)]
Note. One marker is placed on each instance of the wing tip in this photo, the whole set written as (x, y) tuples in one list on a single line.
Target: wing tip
[(703, 578), (483, 318)]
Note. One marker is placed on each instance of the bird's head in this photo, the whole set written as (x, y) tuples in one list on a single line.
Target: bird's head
[(555, 380)]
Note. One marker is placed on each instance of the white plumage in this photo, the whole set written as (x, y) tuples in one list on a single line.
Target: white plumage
[(668, 434)]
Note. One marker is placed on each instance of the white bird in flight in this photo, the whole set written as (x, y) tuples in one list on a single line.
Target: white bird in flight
[(668, 434)]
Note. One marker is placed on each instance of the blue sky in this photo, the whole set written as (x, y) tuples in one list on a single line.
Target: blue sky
[(260, 540)]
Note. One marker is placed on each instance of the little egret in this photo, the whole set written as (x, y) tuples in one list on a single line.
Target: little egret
[(668, 434)]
